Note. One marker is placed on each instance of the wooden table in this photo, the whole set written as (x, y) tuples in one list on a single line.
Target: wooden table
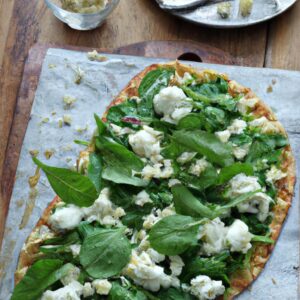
[(24, 22)]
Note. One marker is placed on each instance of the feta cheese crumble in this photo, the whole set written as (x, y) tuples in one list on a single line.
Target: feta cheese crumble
[(265, 125), (245, 105), (176, 265), (146, 143), (203, 287), (238, 237), (102, 286), (237, 126), (275, 174), (158, 170), (198, 167), (186, 157), (142, 198), (72, 291), (172, 103), (223, 136)]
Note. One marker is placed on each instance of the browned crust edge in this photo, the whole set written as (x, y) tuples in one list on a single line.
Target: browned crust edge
[(241, 279)]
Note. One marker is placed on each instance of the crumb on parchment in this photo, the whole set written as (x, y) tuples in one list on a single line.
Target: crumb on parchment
[(79, 74), (224, 10), (48, 153), (246, 7), (95, 56), (67, 119), (69, 101), (34, 152)]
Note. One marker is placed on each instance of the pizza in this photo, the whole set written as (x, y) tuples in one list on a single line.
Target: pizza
[(180, 194)]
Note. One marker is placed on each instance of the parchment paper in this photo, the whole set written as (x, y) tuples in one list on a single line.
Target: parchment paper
[(100, 82)]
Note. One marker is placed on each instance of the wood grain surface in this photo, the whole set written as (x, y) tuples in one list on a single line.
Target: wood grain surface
[(25, 22)]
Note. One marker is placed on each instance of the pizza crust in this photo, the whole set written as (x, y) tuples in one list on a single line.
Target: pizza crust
[(261, 253)]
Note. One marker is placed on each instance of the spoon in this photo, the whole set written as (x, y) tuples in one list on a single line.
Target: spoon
[(180, 4)]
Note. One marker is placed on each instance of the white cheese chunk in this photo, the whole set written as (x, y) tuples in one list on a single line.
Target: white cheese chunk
[(155, 256), (144, 272), (172, 103), (265, 125), (237, 126), (88, 290), (158, 170), (173, 182), (75, 249), (83, 162), (146, 142), (186, 157), (102, 286), (245, 105), (212, 234), (258, 204), (157, 215), (241, 184), (238, 237), (142, 198), (241, 152), (203, 287), (72, 275), (275, 174), (176, 265), (223, 136), (119, 131), (198, 167), (72, 291), (187, 77), (66, 218)]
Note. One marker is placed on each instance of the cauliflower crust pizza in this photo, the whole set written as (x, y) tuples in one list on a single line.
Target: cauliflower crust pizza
[(180, 194)]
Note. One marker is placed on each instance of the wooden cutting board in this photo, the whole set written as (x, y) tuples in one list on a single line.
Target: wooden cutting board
[(172, 50)]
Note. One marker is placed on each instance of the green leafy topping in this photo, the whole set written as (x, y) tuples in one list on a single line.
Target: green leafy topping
[(237, 168), (70, 186), (174, 294), (119, 292), (105, 252), (94, 170), (174, 234), (39, 277)]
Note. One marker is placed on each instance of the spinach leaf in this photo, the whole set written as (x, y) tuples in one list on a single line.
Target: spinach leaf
[(230, 171), (187, 204), (191, 121), (94, 170), (116, 113), (173, 235), (151, 84), (206, 179), (119, 292), (119, 163), (215, 119), (100, 125), (255, 226), (39, 277), (262, 239), (105, 252), (134, 216), (70, 186), (206, 144), (240, 139), (214, 267), (174, 294)]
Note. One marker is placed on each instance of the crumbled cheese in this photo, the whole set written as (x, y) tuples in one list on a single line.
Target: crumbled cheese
[(75, 249), (66, 218), (119, 131), (237, 126), (88, 290), (67, 119), (83, 162), (275, 174), (72, 291), (102, 286), (212, 234), (238, 237), (203, 287), (144, 272), (258, 204), (172, 103), (176, 265), (187, 77), (265, 125), (95, 56), (69, 101), (244, 105), (158, 170), (146, 143), (142, 198), (186, 157), (72, 275), (241, 184), (223, 136), (157, 215), (155, 256), (173, 182), (241, 152), (198, 167)]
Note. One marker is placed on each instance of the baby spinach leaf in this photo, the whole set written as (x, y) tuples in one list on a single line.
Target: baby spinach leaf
[(214, 267), (39, 277), (215, 119), (134, 216), (206, 144), (187, 204), (100, 125), (70, 186), (174, 234), (119, 292), (105, 252), (94, 170), (191, 121), (119, 163), (262, 239), (206, 179), (230, 171), (174, 294), (240, 139)]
